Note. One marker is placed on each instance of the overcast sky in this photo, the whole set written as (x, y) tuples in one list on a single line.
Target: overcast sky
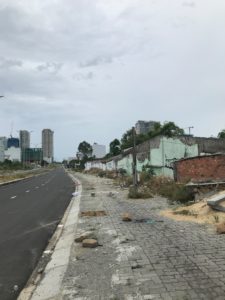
[(89, 69)]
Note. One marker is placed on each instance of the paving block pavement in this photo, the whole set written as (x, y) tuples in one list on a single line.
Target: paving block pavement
[(151, 257)]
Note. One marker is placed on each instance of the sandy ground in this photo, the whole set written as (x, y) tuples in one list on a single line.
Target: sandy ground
[(199, 212)]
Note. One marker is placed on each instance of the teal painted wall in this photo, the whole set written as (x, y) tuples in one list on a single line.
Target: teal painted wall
[(169, 150)]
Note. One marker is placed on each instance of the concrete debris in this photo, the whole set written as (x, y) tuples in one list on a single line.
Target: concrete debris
[(47, 252), (40, 271), (126, 217), (84, 236), (90, 243), (15, 288), (220, 228), (75, 194), (93, 213), (112, 195)]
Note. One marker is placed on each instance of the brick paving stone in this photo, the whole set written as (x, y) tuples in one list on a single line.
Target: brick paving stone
[(166, 260)]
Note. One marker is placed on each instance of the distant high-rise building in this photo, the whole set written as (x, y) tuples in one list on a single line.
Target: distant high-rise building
[(13, 142), (3, 142), (47, 145), (99, 151), (3, 147), (143, 127), (24, 139)]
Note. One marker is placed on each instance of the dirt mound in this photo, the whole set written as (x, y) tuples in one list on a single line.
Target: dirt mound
[(199, 212)]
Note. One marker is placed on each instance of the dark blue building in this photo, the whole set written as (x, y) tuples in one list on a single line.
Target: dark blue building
[(13, 142)]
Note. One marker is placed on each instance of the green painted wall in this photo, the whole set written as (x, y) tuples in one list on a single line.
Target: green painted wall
[(169, 149)]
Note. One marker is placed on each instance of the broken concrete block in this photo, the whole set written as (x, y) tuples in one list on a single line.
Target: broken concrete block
[(126, 217), (92, 213), (220, 228), (83, 236), (89, 243)]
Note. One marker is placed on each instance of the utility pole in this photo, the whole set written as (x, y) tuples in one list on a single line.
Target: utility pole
[(134, 158), (189, 129)]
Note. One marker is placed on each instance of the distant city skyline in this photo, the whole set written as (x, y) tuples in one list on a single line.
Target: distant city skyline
[(19, 148)]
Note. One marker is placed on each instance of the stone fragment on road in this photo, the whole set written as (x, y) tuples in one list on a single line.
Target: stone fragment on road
[(93, 213), (84, 236), (220, 228), (90, 243), (126, 217)]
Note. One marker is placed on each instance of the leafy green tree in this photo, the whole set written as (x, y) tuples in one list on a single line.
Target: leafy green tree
[(221, 134), (85, 148), (170, 129), (114, 147), (127, 139)]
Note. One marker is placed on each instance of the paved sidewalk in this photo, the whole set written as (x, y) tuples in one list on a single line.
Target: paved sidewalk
[(157, 259)]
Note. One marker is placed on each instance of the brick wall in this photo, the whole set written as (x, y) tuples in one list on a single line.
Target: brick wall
[(201, 169)]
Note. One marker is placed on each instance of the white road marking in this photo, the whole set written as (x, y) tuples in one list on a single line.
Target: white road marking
[(28, 191), (36, 187), (13, 197)]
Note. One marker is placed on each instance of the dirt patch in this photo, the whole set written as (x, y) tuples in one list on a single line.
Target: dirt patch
[(93, 213), (199, 212)]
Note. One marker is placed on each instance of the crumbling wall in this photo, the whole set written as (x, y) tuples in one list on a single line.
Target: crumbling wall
[(201, 169), (205, 145)]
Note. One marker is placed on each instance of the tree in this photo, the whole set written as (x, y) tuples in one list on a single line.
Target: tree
[(170, 129), (114, 147), (221, 134), (127, 139), (85, 148)]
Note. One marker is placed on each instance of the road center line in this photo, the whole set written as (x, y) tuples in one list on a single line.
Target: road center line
[(13, 197), (28, 191)]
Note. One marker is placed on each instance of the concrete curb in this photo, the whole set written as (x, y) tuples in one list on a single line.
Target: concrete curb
[(48, 284)]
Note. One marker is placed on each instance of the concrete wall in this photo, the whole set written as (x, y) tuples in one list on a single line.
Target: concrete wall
[(201, 169), (95, 165), (13, 154), (161, 152)]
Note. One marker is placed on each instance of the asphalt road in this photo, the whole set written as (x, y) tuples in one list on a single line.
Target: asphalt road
[(29, 213)]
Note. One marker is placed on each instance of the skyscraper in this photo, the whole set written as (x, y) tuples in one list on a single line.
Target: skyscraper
[(24, 139), (47, 145)]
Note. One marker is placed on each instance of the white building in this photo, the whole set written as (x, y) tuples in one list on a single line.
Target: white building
[(3, 147), (13, 154), (47, 145), (99, 151)]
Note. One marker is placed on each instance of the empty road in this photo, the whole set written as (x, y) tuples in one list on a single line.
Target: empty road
[(29, 213)]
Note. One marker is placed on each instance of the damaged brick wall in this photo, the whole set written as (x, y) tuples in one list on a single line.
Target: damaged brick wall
[(201, 169)]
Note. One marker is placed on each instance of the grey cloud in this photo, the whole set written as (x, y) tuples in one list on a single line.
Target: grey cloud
[(50, 67), (96, 61), (80, 76), (9, 63)]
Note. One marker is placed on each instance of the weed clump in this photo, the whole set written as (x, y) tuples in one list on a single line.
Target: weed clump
[(139, 192), (160, 185)]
